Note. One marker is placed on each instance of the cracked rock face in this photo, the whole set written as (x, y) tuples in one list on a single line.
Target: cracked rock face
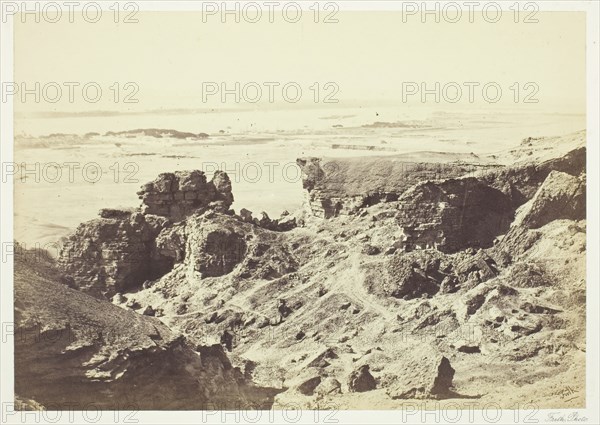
[(213, 250), (453, 215), (561, 196), (109, 255), (521, 182), (361, 380)]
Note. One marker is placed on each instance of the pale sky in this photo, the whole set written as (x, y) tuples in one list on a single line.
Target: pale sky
[(368, 55)]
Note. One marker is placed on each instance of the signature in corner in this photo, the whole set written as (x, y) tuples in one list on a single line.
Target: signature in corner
[(566, 393), (565, 417)]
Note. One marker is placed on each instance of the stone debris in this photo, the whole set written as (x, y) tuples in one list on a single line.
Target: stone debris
[(361, 380)]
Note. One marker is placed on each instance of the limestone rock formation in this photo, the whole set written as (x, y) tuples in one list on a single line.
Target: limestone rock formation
[(308, 386), (479, 265), (329, 386), (190, 225), (561, 196), (408, 280), (342, 186), (215, 244), (521, 181), (424, 273), (124, 248), (283, 224), (354, 298)]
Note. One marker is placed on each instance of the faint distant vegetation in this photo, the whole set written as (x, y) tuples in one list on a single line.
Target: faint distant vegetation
[(158, 133)]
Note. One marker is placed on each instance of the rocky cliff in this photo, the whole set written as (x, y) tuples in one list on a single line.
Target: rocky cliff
[(435, 209), (341, 186), (521, 179), (114, 253)]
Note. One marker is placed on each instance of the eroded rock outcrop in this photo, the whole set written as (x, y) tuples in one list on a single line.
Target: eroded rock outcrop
[(114, 253), (361, 380), (183, 219), (561, 197), (424, 273), (213, 250), (521, 182), (124, 248), (329, 386), (283, 224)]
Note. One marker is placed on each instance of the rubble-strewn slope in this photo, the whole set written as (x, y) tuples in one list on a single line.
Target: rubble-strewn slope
[(72, 351)]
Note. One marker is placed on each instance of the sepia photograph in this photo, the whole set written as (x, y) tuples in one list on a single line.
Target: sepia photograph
[(299, 212)]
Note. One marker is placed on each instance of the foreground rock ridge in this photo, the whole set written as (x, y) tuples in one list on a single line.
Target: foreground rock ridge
[(439, 279), (73, 351)]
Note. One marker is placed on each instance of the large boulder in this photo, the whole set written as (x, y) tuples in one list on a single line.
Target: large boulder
[(411, 281), (561, 196), (479, 265), (410, 275), (521, 181), (361, 380), (329, 386), (308, 386), (425, 376)]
